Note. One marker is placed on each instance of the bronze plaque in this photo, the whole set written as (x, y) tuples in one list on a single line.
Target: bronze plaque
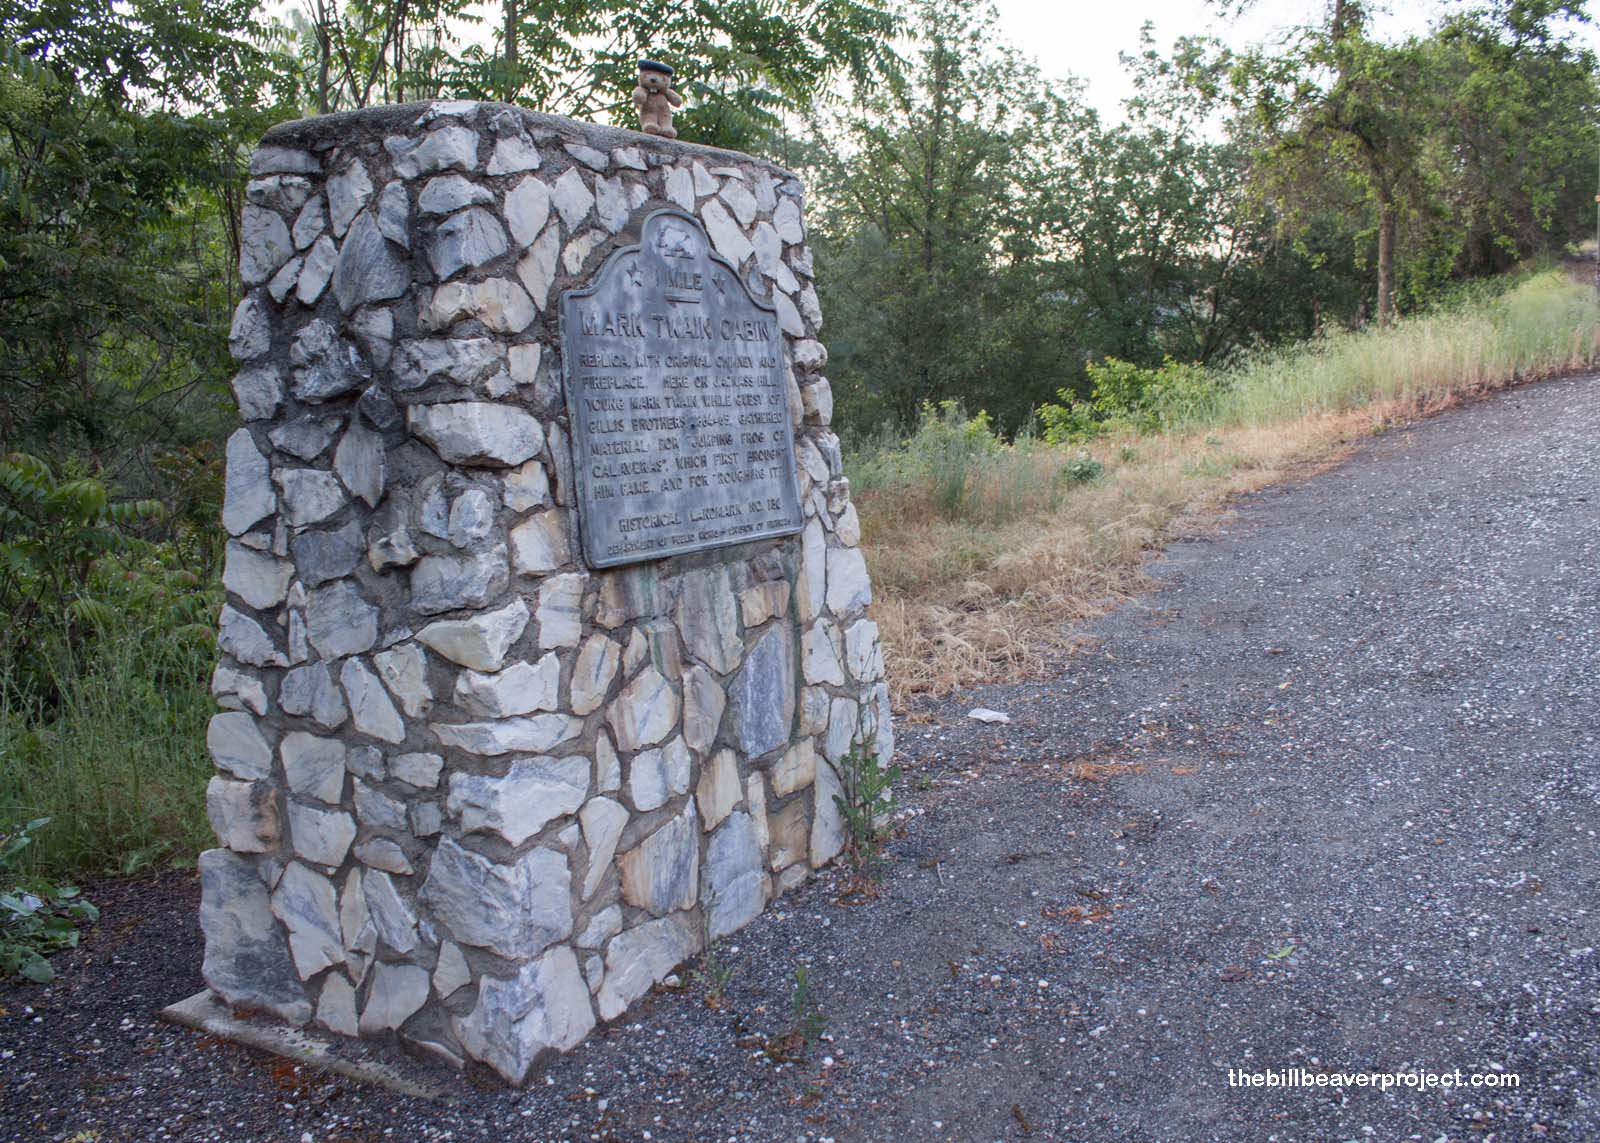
[(677, 402)]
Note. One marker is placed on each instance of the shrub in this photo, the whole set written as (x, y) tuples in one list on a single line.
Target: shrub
[(37, 916)]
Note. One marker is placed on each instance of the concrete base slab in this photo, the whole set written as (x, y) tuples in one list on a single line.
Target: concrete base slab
[(207, 1012)]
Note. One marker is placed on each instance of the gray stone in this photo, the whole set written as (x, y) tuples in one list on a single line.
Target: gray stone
[(602, 820), (725, 234), (849, 589), (326, 365), (611, 204), (452, 971), (305, 438), (397, 993), (310, 690), (642, 956), (465, 240), (359, 461), (367, 762), (378, 409), (370, 708), (480, 642), (592, 674), (418, 769), (255, 577), (546, 1005), (521, 688), (662, 873), (539, 732), (656, 776), (588, 156), (796, 770), (340, 622), (863, 653), (452, 360), (819, 654), (309, 223), (284, 160), (450, 193), (236, 744), (304, 901), (427, 819), (604, 925), (514, 910), (735, 880), (541, 543), (680, 187), (718, 791), (809, 355), (645, 712), (313, 766), (355, 925), (704, 182), (247, 491), (377, 810), (527, 210), (283, 193), (579, 248), (812, 585), (571, 198), (250, 336), (245, 639), (762, 601), (264, 244), (447, 583), (788, 316), (789, 835), (309, 495), (316, 272), (238, 690), (348, 192), (786, 220), (607, 766), (817, 401), (513, 154), (394, 214), (243, 815), (703, 704), (560, 610), (708, 618), (537, 268), (762, 694), (769, 258), (473, 432), (811, 308), (500, 304), (739, 200), (323, 556), (628, 157), (827, 822), (381, 853), (453, 147), (368, 269), (336, 1005), (844, 719), (533, 793), (404, 670), (247, 958), (259, 391), (391, 916), (882, 724), (321, 837)]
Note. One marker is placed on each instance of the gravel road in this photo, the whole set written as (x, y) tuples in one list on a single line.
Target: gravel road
[(1324, 800)]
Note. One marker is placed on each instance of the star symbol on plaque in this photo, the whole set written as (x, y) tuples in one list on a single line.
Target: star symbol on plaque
[(635, 279), (720, 283)]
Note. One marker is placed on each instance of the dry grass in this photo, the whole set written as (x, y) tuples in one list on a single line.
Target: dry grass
[(995, 591)]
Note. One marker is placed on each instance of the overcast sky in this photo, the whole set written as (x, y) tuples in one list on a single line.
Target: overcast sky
[(1071, 36)]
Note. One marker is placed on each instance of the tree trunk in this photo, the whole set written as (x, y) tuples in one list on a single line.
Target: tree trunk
[(1386, 236), (324, 50), (510, 90)]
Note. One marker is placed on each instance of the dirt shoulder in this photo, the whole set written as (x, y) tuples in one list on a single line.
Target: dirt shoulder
[(1325, 800)]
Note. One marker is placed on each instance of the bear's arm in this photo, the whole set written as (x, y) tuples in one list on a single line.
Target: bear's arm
[(674, 98), (640, 95)]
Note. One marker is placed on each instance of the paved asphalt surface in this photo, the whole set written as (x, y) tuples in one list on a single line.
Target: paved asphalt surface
[(1325, 800)]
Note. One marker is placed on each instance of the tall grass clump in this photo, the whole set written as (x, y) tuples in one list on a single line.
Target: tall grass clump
[(986, 553), (107, 615)]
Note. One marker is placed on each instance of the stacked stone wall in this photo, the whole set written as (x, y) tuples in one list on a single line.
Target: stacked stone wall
[(472, 793)]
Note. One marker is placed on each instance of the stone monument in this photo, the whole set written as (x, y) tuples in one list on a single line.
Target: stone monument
[(545, 631)]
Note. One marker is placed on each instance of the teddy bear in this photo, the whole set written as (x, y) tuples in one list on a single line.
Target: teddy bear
[(656, 99)]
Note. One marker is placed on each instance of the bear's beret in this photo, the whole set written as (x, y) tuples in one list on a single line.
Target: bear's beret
[(652, 65)]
